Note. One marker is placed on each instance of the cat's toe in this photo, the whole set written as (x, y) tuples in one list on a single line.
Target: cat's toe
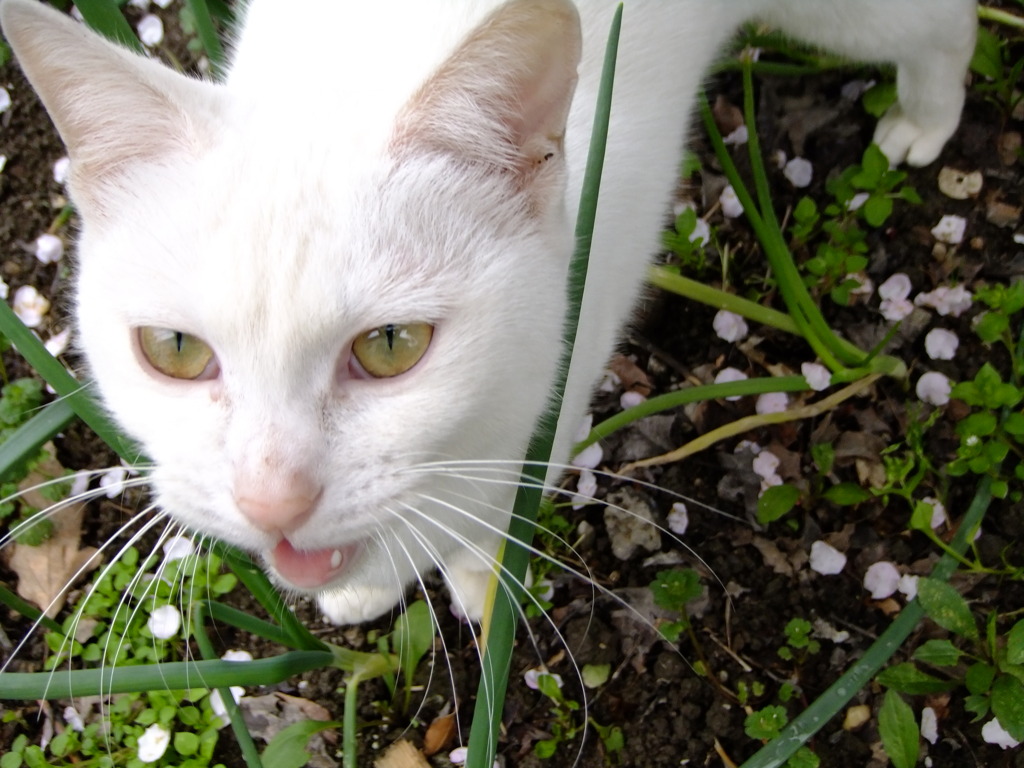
[(903, 140), (354, 605)]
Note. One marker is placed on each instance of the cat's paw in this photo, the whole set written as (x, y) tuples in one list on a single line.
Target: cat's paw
[(902, 139), (354, 605)]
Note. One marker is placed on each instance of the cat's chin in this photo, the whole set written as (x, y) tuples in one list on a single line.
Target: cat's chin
[(311, 569)]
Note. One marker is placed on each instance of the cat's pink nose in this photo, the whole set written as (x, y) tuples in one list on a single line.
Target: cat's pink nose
[(278, 506)]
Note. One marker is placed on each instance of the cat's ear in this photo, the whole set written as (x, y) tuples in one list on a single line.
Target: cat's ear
[(502, 98), (113, 109)]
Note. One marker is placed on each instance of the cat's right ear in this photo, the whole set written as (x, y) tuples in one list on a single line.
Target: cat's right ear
[(501, 100), (113, 109)]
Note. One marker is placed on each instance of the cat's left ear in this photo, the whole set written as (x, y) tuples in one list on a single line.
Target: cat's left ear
[(114, 110), (502, 98)]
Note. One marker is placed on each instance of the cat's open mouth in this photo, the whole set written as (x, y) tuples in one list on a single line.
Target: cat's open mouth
[(310, 568)]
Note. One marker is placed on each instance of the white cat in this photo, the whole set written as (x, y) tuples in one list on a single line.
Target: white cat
[(326, 296)]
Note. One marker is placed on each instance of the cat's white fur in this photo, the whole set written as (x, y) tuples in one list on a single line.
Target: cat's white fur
[(353, 172)]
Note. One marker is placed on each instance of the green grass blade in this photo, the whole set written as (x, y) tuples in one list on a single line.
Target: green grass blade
[(500, 632), (24, 443), (72, 391), (208, 36), (106, 18), (178, 675), (29, 611), (838, 695)]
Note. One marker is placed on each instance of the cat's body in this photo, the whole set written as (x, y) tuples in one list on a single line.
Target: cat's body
[(325, 191)]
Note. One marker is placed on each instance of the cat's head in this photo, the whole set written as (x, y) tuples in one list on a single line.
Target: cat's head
[(294, 319)]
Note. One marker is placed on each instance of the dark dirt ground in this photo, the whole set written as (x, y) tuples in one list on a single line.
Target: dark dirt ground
[(669, 714)]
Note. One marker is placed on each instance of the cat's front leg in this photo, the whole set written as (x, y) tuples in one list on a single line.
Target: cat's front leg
[(930, 88)]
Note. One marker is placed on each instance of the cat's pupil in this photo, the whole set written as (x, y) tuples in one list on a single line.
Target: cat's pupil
[(179, 339), (389, 332)]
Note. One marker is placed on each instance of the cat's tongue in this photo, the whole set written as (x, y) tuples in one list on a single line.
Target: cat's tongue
[(309, 568)]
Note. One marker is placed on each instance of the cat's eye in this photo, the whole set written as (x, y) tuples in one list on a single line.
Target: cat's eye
[(173, 353), (390, 350)]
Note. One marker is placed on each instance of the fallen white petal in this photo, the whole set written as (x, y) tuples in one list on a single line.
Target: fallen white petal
[(765, 464), (896, 286), (631, 399), (799, 171), (589, 457), (5, 290), (908, 586), (178, 548), (73, 719), (857, 201), (153, 743), (731, 205), (163, 3), (994, 733), (586, 488), (583, 430), (881, 580), (232, 655), (929, 725), (946, 300), (826, 559), (701, 233), (865, 285), (939, 516), (934, 388), (3, 162), (48, 248), (113, 481), (458, 755), (950, 229), (5, 100), (151, 30), (895, 310), (730, 374), (772, 402), (164, 622), (737, 137), (678, 519), (818, 376), (217, 703), (941, 344), (729, 326), (60, 169), (30, 306), (57, 344)]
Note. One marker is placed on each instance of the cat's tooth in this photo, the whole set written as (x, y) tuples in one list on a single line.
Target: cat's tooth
[(336, 558)]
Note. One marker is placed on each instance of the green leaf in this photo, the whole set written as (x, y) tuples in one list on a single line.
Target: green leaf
[(847, 494), (946, 607), (990, 326), (413, 637), (288, 748), (1008, 705), (988, 60), (765, 723), (899, 731), (1015, 643), (10, 760), (940, 653), (545, 748), (877, 209), (596, 675), (186, 743), (979, 677), (906, 678), (803, 758), (775, 502), (877, 99), (674, 589)]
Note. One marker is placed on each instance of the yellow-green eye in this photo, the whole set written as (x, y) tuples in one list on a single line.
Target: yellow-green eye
[(173, 353), (392, 349)]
